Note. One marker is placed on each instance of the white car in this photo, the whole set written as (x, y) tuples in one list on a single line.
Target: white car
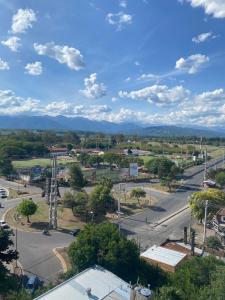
[(3, 193), (3, 224)]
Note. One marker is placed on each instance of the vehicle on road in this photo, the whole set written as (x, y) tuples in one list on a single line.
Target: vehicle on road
[(3, 224), (3, 193), (32, 284), (75, 231)]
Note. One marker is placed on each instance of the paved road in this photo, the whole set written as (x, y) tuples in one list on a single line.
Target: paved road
[(135, 226), (36, 250)]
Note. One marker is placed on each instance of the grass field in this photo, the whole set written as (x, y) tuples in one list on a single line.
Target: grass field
[(66, 219), (43, 162)]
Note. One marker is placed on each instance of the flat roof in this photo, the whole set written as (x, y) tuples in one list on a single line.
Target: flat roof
[(103, 285), (163, 255)]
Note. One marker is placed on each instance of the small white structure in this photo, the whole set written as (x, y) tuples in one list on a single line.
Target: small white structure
[(94, 283), (166, 259)]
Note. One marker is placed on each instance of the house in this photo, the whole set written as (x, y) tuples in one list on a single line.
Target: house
[(95, 283), (219, 225), (167, 259), (57, 151)]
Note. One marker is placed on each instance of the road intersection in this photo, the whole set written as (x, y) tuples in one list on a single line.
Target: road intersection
[(35, 249)]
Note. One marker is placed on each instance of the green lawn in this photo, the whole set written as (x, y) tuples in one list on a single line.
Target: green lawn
[(43, 162)]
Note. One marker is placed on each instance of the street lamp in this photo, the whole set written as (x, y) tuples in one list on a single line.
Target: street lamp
[(17, 218), (92, 215)]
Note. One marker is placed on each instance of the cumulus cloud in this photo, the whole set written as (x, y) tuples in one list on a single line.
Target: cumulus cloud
[(191, 64), (3, 65), (12, 104), (63, 54), (93, 89), (216, 8), (206, 108), (123, 3), (23, 20), (158, 94), (119, 19), (203, 37), (34, 68), (13, 43)]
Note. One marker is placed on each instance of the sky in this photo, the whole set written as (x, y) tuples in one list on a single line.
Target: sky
[(142, 61)]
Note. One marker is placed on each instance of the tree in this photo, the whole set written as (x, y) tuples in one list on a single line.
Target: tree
[(103, 244), (160, 166), (7, 255), (27, 208), (213, 242), (19, 294), (138, 193), (77, 181), (199, 278), (197, 201), (101, 200), (5, 165), (220, 179), (83, 158)]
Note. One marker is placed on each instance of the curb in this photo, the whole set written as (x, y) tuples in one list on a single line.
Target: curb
[(171, 216), (158, 191), (60, 258)]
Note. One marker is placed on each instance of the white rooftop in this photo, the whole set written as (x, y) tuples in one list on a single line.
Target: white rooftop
[(164, 255), (102, 283)]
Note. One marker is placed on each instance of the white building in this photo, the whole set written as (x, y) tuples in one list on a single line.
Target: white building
[(96, 283)]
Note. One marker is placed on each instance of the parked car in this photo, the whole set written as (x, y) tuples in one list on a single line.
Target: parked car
[(3, 224), (32, 284), (75, 231), (3, 193)]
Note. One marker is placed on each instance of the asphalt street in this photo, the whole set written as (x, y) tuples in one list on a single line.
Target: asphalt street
[(35, 249), (146, 232)]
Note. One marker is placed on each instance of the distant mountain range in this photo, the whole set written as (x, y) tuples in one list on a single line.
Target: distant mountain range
[(84, 124)]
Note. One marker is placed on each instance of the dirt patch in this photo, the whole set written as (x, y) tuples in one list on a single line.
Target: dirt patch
[(40, 220)]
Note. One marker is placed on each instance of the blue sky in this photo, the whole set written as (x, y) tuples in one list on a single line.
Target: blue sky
[(144, 61)]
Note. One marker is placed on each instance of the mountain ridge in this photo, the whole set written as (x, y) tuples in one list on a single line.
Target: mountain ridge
[(60, 122)]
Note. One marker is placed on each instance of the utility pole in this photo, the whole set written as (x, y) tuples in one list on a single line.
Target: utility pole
[(205, 223), (223, 157), (47, 189), (205, 171), (53, 196)]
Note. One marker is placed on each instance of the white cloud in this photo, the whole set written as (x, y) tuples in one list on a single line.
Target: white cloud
[(34, 68), (159, 94), (216, 8), (137, 63), (12, 104), (23, 20), (119, 20), (3, 65), (93, 89), (13, 43), (203, 37), (191, 64), (206, 109), (149, 77), (63, 54), (123, 3), (128, 79)]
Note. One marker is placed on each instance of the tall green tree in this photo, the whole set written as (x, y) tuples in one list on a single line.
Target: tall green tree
[(220, 179), (7, 255), (197, 201), (138, 193), (27, 208), (6, 167), (103, 244), (101, 200), (77, 180)]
